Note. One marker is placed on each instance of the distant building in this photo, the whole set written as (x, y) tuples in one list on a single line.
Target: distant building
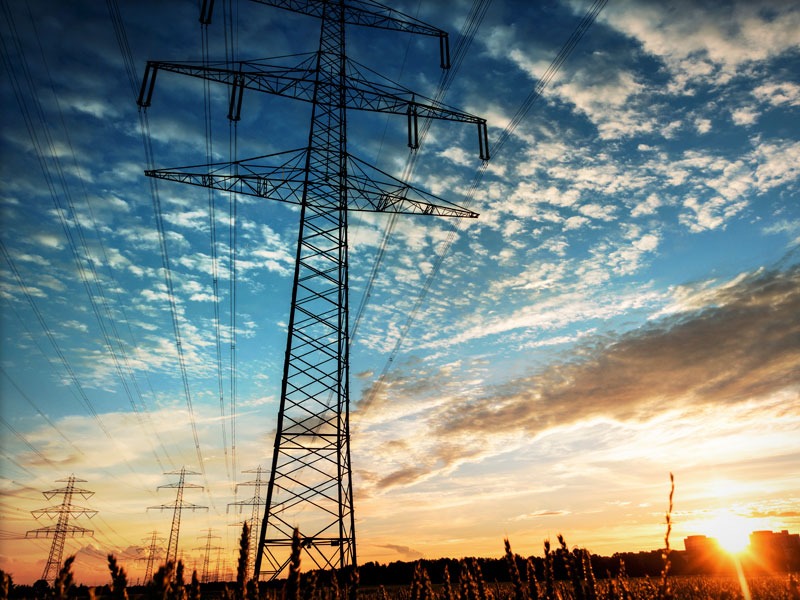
[(700, 544), (704, 555), (775, 551)]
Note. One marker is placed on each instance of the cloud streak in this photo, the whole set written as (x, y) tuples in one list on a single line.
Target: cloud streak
[(740, 346)]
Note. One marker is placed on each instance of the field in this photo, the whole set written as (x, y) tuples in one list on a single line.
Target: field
[(563, 575)]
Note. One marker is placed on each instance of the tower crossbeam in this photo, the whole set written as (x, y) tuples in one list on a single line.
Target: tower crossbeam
[(298, 83), (369, 189)]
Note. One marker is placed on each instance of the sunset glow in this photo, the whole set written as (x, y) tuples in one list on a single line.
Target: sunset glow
[(732, 531), (626, 305)]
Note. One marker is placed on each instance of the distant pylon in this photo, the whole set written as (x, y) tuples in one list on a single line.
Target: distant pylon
[(310, 483), (257, 502), (217, 568), (177, 507), (62, 529), (153, 550), (207, 554)]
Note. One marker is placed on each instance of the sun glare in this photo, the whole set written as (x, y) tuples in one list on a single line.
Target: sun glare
[(732, 531)]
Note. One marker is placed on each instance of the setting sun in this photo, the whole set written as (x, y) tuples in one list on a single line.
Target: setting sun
[(732, 531)]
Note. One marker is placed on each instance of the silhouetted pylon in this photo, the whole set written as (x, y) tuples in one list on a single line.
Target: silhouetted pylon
[(177, 507), (310, 483), (218, 572), (153, 551), (62, 529), (207, 554), (257, 504)]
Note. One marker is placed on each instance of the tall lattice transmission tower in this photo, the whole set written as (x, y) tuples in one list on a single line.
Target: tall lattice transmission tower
[(310, 482), (204, 577), (153, 552), (62, 529), (177, 508), (256, 502)]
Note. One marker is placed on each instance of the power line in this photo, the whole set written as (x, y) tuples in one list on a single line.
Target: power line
[(212, 226), (110, 340), (466, 35), (39, 411), (46, 141), (25, 441), (144, 128), (522, 111)]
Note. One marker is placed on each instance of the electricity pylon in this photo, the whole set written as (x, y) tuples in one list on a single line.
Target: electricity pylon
[(152, 553), (207, 554), (218, 572), (62, 529), (177, 507), (256, 502), (310, 483)]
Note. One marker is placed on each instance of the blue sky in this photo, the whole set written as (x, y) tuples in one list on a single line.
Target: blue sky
[(624, 307)]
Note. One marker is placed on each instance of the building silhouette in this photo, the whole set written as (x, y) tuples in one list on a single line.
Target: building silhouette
[(775, 551), (768, 552)]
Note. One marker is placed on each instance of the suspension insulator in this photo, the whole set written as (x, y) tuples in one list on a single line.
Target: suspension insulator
[(237, 92), (483, 140), (444, 50), (148, 82), (206, 10), (413, 126)]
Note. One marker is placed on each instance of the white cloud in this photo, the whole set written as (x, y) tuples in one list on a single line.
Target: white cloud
[(708, 42), (606, 97), (49, 241), (708, 214), (601, 212), (647, 207), (778, 93), (744, 115), (776, 164), (458, 156), (575, 222), (702, 125)]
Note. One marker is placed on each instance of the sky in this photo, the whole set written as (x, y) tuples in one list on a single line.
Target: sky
[(625, 306)]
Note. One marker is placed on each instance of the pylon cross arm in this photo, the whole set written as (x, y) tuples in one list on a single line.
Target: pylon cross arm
[(368, 188), (373, 190), (362, 12), (181, 506), (54, 511), (85, 494), (294, 82), (298, 83), (70, 530)]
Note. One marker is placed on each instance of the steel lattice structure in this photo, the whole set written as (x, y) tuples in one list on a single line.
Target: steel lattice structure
[(310, 483), (256, 502), (152, 554), (177, 508), (62, 529), (204, 577)]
